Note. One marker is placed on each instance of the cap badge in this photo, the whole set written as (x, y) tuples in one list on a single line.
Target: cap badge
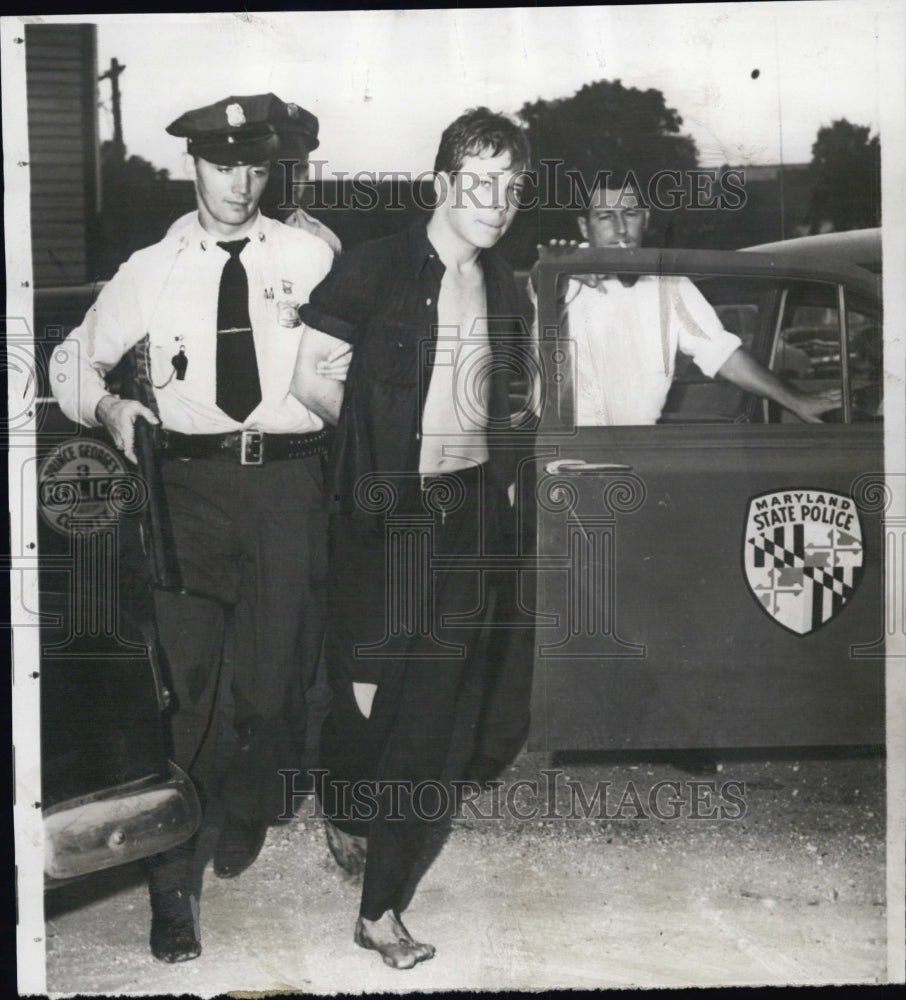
[(235, 115), (292, 110)]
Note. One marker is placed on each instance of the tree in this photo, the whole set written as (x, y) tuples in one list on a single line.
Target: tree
[(604, 126), (134, 196), (846, 173), (608, 126)]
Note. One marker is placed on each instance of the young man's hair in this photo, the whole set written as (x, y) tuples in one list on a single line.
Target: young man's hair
[(480, 131)]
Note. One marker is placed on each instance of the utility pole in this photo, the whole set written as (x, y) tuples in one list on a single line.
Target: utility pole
[(113, 75)]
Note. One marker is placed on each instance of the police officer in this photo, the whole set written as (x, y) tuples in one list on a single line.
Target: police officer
[(299, 139), (298, 134), (211, 316)]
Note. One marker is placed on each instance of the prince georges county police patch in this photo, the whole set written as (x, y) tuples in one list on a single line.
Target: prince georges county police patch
[(84, 486), (803, 555)]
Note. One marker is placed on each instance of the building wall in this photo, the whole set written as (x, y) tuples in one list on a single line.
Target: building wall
[(61, 80)]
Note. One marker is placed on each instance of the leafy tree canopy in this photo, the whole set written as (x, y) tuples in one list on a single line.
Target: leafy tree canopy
[(846, 171), (606, 126)]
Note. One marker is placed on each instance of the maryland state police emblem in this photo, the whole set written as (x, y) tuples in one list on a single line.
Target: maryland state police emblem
[(803, 555)]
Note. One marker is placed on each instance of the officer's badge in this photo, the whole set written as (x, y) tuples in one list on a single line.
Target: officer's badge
[(803, 555), (235, 115), (288, 314)]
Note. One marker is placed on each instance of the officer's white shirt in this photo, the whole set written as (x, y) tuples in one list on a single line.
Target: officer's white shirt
[(170, 291), (299, 219), (626, 339)]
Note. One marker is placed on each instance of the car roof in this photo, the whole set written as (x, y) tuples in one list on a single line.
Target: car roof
[(861, 247), (810, 262)]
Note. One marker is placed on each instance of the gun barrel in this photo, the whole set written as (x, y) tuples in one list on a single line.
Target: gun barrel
[(164, 567)]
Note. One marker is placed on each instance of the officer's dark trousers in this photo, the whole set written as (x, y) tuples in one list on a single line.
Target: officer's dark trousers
[(417, 623), (251, 546)]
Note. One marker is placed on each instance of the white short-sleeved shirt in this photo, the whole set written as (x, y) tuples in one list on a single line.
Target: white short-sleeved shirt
[(298, 219), (169, 291), (626, 341), (302, 220)]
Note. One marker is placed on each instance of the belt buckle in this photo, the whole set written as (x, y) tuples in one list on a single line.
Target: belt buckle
[(251, 449)]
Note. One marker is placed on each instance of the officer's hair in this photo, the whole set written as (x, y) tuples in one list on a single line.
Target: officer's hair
[(481, 131), (616, 178), (270, 162)]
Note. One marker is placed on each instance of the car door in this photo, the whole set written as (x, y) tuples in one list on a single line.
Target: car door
[(109, 794), (716, 579)]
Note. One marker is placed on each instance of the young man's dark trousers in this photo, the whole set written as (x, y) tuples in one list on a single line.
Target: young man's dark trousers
[(409, 599)]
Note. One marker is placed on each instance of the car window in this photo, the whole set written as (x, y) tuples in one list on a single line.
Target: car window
[(866, 369), (595, 317), (807, 348), (745, 307), (790, 326)]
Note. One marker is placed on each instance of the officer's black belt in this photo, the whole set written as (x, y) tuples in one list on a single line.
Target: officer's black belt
[(245, 447)]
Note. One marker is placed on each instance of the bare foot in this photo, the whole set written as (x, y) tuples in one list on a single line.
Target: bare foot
[(348, 850), (389, 936)]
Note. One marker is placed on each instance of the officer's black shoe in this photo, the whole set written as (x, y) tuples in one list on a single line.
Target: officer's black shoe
[(175, 934), (238, 845)]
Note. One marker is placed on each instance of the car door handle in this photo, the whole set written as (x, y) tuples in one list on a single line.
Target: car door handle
[(576, 466)]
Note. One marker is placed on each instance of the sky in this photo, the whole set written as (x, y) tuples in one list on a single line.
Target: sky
[(385, 83)]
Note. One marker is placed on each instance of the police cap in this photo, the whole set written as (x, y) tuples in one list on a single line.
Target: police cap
[(244, 129), (293, 120)]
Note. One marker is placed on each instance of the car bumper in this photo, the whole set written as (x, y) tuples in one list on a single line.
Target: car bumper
[(118, 825)]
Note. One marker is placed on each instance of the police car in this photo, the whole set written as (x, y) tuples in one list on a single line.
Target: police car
[(716, 579)]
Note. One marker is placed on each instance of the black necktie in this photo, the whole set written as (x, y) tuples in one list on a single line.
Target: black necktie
[(238, 388)]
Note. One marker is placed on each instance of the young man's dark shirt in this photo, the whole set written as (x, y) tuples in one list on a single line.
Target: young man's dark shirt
[(381, 297)]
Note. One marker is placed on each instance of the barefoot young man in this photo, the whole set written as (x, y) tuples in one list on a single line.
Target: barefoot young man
[(421, 445)]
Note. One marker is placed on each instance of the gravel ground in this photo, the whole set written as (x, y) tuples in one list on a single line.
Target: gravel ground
[(787, 888)]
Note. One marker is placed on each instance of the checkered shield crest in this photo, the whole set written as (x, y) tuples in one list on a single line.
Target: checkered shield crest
[(803, 555)]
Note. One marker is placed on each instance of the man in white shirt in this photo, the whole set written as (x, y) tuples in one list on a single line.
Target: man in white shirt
[(210, 317), (627, 331)]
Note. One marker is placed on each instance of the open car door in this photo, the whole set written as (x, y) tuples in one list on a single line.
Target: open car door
[(716, 579)]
